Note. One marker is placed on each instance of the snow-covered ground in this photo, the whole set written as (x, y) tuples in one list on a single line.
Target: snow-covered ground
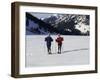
[(75, 51)]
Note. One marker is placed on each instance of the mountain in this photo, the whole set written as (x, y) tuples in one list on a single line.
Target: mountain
[(70, 23), (65, 24), (37, 26)]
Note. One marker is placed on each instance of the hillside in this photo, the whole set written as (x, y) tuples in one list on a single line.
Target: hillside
[(61, 24)]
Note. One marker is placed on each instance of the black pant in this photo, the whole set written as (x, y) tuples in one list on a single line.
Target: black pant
[(49, 48), (59, 48)]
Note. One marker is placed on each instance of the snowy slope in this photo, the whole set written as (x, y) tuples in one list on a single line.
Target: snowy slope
[(75, 51)]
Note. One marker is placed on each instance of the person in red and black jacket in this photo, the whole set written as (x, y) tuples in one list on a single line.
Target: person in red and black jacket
[(59, 41)]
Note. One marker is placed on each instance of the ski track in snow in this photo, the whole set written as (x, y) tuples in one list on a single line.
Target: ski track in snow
[(75, 51)]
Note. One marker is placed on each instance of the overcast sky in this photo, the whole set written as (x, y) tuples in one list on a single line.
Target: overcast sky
[(42, 15)]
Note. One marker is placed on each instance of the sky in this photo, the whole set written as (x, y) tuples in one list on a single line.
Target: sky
[(42, 15)]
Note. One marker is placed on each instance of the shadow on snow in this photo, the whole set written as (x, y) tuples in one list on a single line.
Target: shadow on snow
[(72, 50)]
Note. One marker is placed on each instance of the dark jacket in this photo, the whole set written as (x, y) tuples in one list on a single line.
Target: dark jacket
[(48, 40)]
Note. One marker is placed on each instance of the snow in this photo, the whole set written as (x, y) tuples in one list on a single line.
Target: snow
[(83, 28), (75, 51)]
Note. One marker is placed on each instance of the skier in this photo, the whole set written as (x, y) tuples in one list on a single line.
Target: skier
[(59, 41), (48, 40)]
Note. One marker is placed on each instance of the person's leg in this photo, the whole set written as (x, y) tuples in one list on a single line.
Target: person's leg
[(60, 47), (49, 49)]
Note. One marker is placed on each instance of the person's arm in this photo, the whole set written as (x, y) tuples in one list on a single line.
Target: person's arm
[(51, 39), (56, 40), (45, 39), (62, 39)]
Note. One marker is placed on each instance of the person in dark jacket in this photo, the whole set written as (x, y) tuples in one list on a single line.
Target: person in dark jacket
[(59, 41), (48, 40)]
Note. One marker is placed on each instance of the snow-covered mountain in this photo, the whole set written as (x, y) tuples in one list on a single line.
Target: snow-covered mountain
[(37, 26), (66, 24), (70, 23)]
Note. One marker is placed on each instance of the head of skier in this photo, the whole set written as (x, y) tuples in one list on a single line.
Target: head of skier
[(58, 35), (49, 35)]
